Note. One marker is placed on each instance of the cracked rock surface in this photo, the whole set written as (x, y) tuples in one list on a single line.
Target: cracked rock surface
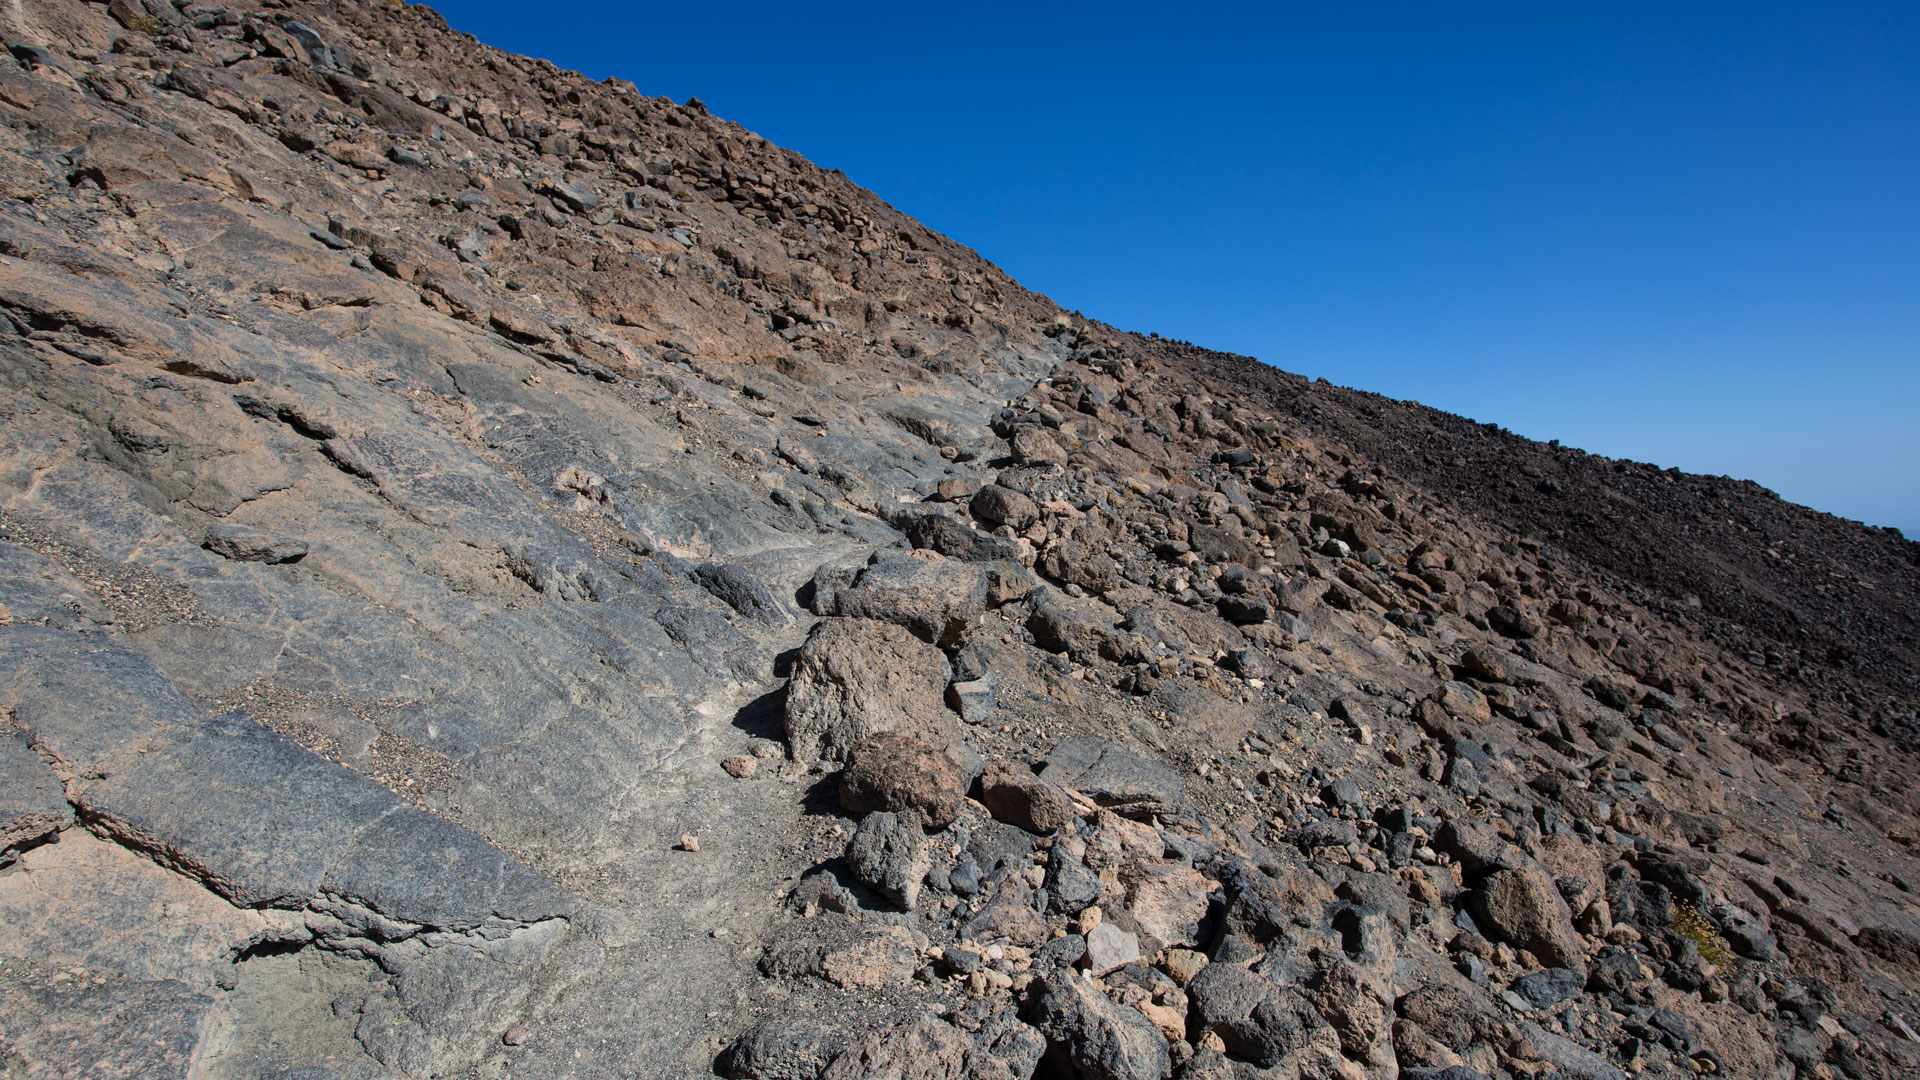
[(501, 575)]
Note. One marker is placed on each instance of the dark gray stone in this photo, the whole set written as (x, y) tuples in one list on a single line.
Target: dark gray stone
[(974, 699), (1071, 887), (1065, 951), (1093, 1038), (115, 1029), (1344, 795), (1005, 1049), (994, 844), (1244, 610), (1751, 942), (1331, 832), (257, 818), (1572, 1059), (792, 1045), (743, 592), (937, 531), (1545, 989), (1259, 1021), (33, 804), (1115, 777), (888, 854), (243, 543)]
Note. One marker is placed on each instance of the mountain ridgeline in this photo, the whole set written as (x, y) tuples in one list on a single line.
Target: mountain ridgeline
[(502, 575)]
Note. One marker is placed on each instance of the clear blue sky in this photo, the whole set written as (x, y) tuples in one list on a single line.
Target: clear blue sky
[(1681, 233)]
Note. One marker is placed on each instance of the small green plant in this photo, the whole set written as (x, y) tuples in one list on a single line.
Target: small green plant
[(1697, 928)]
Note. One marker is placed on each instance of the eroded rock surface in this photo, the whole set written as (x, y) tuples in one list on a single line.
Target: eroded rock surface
[(501, 575)]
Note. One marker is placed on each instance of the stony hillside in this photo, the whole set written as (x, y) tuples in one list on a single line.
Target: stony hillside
[(503, 576)]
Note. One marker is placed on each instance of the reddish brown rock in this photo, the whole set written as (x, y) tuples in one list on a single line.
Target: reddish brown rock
[(1523, 907), (856, 678), (1013, 794), (897, 771)]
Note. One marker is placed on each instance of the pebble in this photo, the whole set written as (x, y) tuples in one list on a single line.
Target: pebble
[(689, 842), (1088, 919), (742, 766)]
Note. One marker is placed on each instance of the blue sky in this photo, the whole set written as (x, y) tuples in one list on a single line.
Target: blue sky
[(1680, 233)]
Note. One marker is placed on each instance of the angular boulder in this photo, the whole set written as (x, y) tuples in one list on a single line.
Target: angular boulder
[(888, 854), (1114, 776), (896, 771), (1523, 907), (856, 678), (934, 598), (1090, 1037), (1168, 900), (1013, 794), (1258, 1020)]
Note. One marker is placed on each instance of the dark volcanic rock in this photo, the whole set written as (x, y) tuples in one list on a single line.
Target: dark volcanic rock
[(1113, 776), (421, 466), (888, 853), (33, 804), (1093, 1038)]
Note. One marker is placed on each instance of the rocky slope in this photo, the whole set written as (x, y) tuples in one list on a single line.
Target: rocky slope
[(505, 576)]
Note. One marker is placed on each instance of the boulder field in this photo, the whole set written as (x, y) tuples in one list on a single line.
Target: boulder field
[(505, 576)]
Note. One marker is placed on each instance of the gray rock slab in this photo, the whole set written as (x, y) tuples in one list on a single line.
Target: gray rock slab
[(1113, 776), (258, 818), (1572, 1059), (113, 1029), (88, 702), (423, 869), (33, 804), (244, 543)]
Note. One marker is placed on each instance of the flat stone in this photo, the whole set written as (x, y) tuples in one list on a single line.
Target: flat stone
[(928, 1048), (1110, 948), (113, 1029), (1545, 989), (1114, 776), (743, 592), (244, 543)]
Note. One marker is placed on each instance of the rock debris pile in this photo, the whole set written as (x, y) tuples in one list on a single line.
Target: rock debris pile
[(501, 575)]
